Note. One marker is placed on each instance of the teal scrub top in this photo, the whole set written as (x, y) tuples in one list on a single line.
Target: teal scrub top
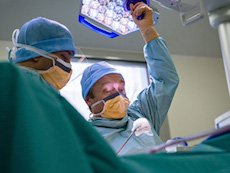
[(152, 103), (39, 129), (40, 132), (34, 74)]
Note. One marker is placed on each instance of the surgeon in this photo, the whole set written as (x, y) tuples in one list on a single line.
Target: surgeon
[(44, 48), (103, 89)]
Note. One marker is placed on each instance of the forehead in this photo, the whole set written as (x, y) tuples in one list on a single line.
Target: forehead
[(110, 78)]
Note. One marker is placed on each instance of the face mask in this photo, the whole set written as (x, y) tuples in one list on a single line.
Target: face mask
[(115, 106), (58, 75)]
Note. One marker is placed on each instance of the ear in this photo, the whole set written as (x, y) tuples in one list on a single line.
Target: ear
[(88, 102)]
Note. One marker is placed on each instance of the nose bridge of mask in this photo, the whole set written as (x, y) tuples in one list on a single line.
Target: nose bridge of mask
[(63, 65), (106, 99), (111, 96)]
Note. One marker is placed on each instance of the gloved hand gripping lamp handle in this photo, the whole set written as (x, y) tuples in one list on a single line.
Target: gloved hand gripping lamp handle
[(127, 6)]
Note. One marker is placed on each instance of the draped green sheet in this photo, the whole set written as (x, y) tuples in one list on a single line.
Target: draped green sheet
[(41, 132)]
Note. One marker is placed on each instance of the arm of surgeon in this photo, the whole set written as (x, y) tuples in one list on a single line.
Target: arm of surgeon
[(154, 101)]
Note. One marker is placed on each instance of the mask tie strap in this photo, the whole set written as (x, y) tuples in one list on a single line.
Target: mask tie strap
[(40, 52), (11, 52), (15, 36)]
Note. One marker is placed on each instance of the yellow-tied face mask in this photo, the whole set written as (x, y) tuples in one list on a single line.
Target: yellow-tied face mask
[(115, 106), (58, 75)]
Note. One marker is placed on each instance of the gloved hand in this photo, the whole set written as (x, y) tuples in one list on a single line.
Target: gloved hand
[(146, 24), (142, 126)]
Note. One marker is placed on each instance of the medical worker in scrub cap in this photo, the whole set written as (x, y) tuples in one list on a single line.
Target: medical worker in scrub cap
[(44, 48), (103, 88)]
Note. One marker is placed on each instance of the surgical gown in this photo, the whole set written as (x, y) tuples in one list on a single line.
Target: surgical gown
[(152, 103), (40, 132)]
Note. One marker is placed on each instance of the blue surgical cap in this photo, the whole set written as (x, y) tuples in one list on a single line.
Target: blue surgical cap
[(44, 34), (95, 72)]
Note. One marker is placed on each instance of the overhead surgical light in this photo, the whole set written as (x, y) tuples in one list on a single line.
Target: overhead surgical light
[(110, 18)]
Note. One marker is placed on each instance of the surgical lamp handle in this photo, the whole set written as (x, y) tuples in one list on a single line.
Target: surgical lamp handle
[(127, 3), (190, 20), (192, 15)]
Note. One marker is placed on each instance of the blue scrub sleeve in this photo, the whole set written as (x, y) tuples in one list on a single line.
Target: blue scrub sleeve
[(154, 101)]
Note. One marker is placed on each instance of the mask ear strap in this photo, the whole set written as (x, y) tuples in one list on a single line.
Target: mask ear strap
[(66, 64), (96, 103), (40, 52), (112, 96)]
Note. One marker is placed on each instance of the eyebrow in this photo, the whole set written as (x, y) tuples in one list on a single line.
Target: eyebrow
[(104, 83), (69, 52)]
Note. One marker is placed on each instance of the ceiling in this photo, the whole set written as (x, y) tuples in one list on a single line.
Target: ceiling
[(197, 39)]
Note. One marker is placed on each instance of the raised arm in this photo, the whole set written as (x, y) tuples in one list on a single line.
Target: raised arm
[(154, 101)]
